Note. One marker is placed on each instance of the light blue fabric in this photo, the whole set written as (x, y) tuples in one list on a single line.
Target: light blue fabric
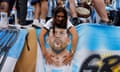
[(51, 5), (91, 38), (118, 4), (16, 49), (93, 15), (108, 8), (94, 35)]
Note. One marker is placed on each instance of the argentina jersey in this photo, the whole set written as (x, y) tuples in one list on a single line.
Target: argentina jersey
[(116, 4)]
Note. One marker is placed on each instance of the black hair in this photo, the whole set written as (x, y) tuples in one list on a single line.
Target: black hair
[(64, 23)]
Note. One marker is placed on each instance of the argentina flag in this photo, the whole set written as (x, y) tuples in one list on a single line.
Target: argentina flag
[(11, 45), (98, 50), (98, 45)]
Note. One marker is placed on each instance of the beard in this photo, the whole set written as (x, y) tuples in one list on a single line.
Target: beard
[(57, 46), (56, 51)]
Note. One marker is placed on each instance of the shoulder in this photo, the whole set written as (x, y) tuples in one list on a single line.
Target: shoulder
[(69, 24), (48, 24), (50, 20)]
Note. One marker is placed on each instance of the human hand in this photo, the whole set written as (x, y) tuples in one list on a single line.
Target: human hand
[(107, 22), (68, 59), (48, 58)]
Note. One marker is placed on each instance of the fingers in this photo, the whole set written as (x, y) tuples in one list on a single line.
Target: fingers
[(48, 59), (67, 60)]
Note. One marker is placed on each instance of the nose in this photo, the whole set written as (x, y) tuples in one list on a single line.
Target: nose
[(57, 35), (60, 18)]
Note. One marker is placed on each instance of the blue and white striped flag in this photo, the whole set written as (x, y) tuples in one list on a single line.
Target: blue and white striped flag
[(98, 50), (14, 52)]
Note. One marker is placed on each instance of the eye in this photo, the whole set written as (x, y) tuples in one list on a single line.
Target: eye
[(60, 16), (62, 33)]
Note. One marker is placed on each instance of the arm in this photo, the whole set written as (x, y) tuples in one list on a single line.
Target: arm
[(42, 35), (73, 31), (46, 55), (100, 8), (42, 43), (72, 8), (68, 58)]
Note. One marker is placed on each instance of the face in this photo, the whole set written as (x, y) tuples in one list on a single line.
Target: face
[(59, 40), (60, 17)]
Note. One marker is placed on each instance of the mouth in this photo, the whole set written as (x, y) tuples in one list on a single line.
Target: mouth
[(57, 42), (59, 22)]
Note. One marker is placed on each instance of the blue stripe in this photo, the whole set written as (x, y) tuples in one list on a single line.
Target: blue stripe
[(16, 49), (118, 4)]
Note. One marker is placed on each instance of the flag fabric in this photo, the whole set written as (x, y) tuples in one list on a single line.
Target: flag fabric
[(14, 52), (27, 59), (98, 50), (118, 4), (97, 46)]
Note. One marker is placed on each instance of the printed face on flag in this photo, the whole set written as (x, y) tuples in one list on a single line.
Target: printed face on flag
[(58, 40)]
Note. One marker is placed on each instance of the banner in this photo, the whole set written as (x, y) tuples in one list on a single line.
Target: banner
[(10, 59), (98, 50)]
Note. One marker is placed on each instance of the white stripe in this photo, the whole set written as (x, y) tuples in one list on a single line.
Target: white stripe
[(9, 65)]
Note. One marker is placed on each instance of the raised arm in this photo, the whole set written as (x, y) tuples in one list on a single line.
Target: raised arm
[(46, 55), (42, 42), (74, 44), (74, 39), (100, 8)]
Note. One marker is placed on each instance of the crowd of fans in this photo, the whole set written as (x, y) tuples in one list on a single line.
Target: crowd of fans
[(101, 11), (59, 16)]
